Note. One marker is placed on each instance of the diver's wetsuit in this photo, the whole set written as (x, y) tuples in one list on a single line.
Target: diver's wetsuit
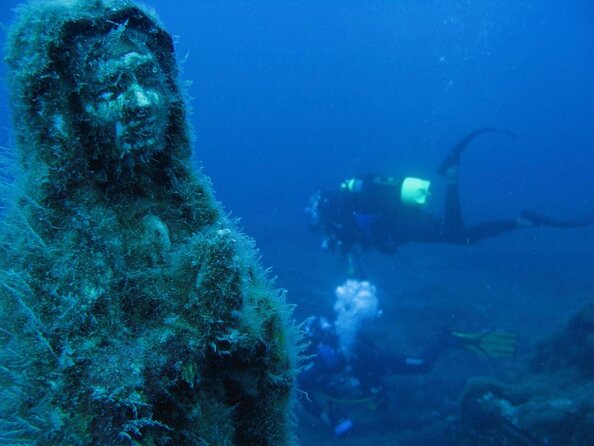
[(452, 228), (333, 380), (374, 218), (368, 212)]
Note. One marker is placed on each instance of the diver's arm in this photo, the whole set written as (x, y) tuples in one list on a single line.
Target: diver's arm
[(408, 365), (399, 364)]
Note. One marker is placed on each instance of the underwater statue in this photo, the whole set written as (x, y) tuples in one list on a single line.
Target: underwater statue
[(132, 311)]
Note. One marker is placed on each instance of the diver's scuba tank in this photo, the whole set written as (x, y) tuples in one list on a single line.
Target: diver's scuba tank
[(414, 191), (378, 192)]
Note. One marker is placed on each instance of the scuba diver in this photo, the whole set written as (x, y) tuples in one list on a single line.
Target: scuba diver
[(382, 213), (332, 378)]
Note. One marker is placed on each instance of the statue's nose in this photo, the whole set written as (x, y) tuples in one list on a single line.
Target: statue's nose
[(137, 98)]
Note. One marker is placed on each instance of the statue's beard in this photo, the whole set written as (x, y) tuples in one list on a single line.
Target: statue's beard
[(139, 138)]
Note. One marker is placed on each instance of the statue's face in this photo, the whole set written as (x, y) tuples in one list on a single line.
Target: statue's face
[(126, 100)]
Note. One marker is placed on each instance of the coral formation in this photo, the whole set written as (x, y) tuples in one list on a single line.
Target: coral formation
[(554, 403), (132, 310)]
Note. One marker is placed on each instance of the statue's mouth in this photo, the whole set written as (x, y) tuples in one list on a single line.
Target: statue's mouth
[(138, 136)]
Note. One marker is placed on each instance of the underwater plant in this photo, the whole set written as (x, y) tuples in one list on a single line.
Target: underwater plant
[(132, 311)]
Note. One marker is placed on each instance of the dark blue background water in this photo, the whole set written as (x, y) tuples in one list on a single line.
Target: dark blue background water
[(292, 96)]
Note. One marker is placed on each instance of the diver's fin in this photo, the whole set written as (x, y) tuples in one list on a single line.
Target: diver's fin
[(453, 158), (494, 344), (537, 219)]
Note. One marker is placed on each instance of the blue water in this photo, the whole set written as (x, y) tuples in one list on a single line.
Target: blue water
[(293, 96)]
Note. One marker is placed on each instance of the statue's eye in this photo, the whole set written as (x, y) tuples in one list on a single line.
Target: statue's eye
[(149, 74)]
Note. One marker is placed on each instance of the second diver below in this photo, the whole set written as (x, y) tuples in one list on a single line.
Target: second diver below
[(382, 213), (333, 379)]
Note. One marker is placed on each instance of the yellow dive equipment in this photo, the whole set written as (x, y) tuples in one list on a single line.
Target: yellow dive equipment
[(495, 344), (414, 191)]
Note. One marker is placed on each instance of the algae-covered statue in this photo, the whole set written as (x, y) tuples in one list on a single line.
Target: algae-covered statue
[(132, 312)]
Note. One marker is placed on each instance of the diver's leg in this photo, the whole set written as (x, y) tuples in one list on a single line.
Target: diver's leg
[(433, 230), (487, 229), (531, 218), (453, 158), (527, 219), (453, 221), (399, 364)]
